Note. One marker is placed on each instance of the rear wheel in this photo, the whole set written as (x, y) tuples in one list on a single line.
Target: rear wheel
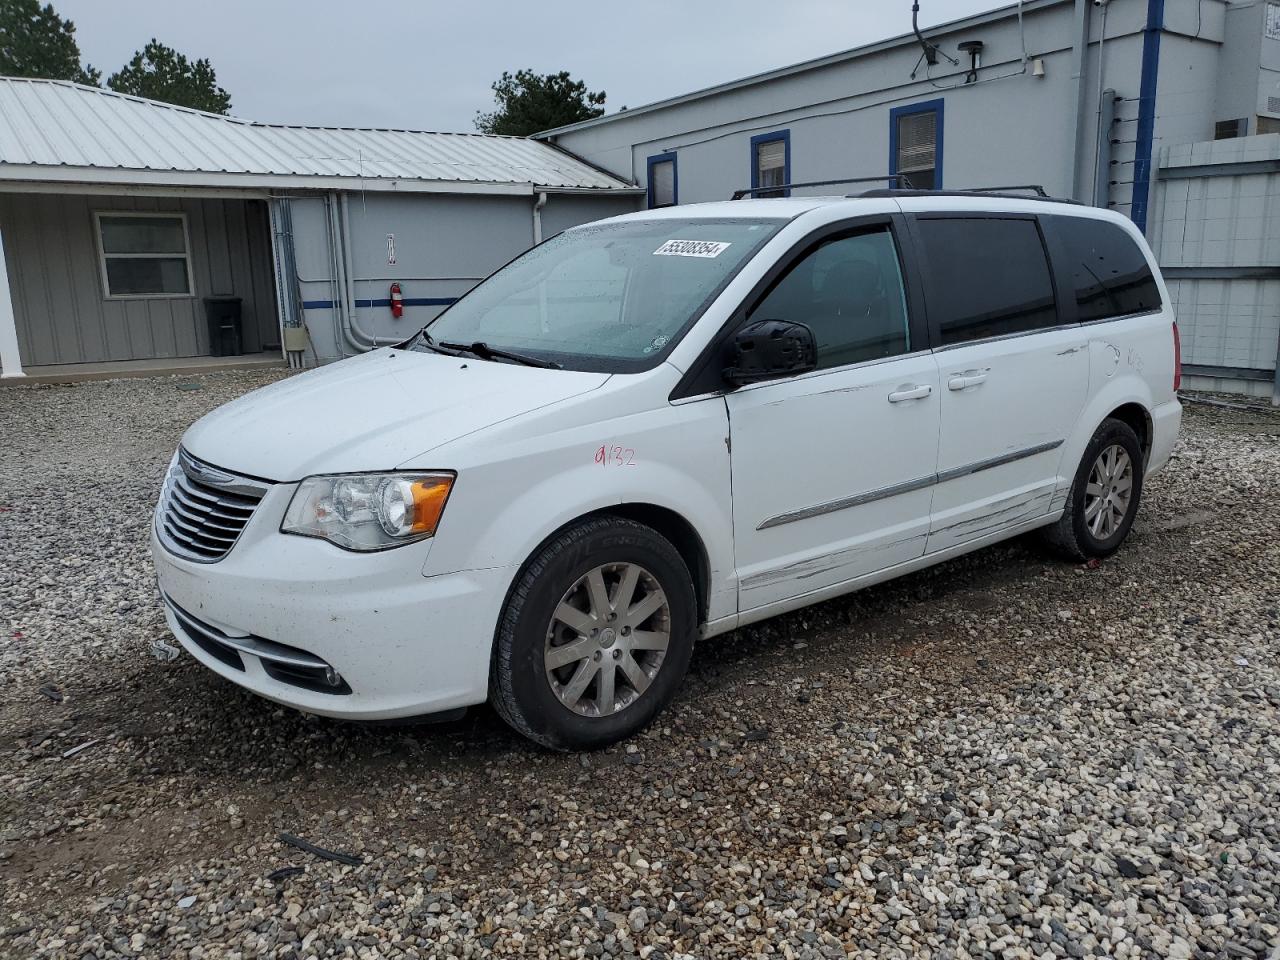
[(1104, 497), (596, 636)]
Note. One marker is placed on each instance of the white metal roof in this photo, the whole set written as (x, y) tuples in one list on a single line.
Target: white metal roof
[(66, 132)]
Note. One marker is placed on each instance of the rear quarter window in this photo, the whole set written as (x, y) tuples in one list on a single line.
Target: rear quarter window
[(1105, 269)]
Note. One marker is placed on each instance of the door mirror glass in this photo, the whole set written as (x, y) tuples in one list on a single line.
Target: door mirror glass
[(767, 349)]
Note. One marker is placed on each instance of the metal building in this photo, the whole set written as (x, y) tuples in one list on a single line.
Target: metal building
[(1185, 95), (121, 217)]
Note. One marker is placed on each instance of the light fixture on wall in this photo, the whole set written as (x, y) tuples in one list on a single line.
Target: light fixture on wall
[(974, 49), (1037, 68)]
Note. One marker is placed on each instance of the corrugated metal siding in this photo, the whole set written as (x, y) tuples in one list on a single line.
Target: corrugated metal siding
[(59, 124), (1228, 323), (1213, 211), (62, 315)]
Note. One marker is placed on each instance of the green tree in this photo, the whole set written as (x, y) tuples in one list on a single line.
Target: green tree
[(528, 102), (161, 73), (36, 42)]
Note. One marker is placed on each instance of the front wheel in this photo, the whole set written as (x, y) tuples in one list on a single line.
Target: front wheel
[(595, 637), (1104, 497)]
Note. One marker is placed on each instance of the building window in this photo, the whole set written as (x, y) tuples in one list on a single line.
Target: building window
[(664, 184), (1230, 129), (771, 163), (915, 145), (144, 254)]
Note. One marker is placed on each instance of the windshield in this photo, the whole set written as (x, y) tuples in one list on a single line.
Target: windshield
[(606, 297)]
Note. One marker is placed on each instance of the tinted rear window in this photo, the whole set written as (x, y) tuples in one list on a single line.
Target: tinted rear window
[(1107, 271), (987, 277)]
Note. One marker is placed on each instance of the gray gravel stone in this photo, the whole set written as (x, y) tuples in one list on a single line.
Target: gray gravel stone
[(942, 766)]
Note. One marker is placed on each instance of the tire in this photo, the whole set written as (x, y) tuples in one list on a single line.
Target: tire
[(562, 601), (1085, 532)]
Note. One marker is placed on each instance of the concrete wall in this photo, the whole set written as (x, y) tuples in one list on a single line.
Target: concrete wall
[(444, 245), (62, 313)]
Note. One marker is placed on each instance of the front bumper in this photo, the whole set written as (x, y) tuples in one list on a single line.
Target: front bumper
[(402, 644)]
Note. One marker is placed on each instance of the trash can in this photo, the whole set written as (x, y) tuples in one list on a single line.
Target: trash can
[(225, 326)]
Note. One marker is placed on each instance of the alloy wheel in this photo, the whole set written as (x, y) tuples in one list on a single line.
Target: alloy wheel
[(607, 639), (1108, 492)]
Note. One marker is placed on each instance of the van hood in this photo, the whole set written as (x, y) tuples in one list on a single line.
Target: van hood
[(372, 412)]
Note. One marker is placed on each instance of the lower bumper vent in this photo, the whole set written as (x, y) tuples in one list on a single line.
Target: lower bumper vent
[(280, 662)]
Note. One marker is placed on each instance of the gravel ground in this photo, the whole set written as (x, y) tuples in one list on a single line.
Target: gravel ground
[(1001, 757)]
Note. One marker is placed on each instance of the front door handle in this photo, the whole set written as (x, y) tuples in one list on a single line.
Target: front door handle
[(970, 378), (910, 393)]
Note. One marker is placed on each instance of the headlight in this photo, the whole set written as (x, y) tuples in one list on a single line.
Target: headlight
[(369, 511)]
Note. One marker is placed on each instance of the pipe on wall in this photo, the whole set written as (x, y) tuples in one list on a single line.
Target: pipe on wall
[(1099, 170), (347, 329), (335, 268), (1079, 71), (1102, 170), (371, 341)]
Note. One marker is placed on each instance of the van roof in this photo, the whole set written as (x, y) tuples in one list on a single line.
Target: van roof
[(788, 208)]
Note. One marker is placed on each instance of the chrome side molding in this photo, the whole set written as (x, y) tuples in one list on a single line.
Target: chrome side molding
[(897, 489)]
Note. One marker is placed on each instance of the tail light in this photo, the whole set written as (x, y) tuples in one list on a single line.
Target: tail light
[(1177, 358)]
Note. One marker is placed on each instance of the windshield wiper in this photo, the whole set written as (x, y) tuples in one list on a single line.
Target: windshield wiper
[(485, 352)]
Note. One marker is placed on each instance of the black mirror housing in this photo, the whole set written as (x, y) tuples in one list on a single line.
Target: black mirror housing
[(767, 349)]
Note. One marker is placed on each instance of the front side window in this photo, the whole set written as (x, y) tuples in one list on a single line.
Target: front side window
[(607, 297), (1109, 274), (662, 181), (915, 135), (771, 163), (144, 255), (986, 277), (848, 291)]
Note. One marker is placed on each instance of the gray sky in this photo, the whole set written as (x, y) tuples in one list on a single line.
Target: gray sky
[(425, 64)]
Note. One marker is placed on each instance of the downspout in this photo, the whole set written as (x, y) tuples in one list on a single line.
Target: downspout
[(288, 301), (355, 334), (544, 321), (1146, 113), (537, 217), (1079, 52)]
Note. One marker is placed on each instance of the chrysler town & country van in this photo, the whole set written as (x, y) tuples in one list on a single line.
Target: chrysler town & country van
[(661, 427)]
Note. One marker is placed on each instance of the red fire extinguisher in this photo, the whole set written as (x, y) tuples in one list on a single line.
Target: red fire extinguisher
[(397, 301)]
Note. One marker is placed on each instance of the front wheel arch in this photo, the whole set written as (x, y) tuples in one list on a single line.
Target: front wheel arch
[(663, 521)]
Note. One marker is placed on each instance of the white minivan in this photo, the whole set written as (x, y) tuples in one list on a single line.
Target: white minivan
[(660, 427)]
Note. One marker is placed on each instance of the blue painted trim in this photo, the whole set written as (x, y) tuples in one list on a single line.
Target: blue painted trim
[(785, 137), (937, 106), (408, 302), (1145, 137), (675, 176)]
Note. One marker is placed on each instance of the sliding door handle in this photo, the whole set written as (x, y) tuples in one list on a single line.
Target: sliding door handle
[(970, 378), (918, 392)]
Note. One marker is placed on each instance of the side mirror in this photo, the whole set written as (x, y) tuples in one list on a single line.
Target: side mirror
[(767, 349)]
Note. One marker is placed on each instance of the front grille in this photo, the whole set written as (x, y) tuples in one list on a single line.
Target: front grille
[(203, 510), (279, 661)]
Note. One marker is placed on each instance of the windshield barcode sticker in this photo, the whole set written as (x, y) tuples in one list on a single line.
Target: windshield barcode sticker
[(691, 248)]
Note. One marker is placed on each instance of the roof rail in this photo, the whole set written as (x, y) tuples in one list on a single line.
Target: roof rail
[(1037, 192), (752, 191)]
